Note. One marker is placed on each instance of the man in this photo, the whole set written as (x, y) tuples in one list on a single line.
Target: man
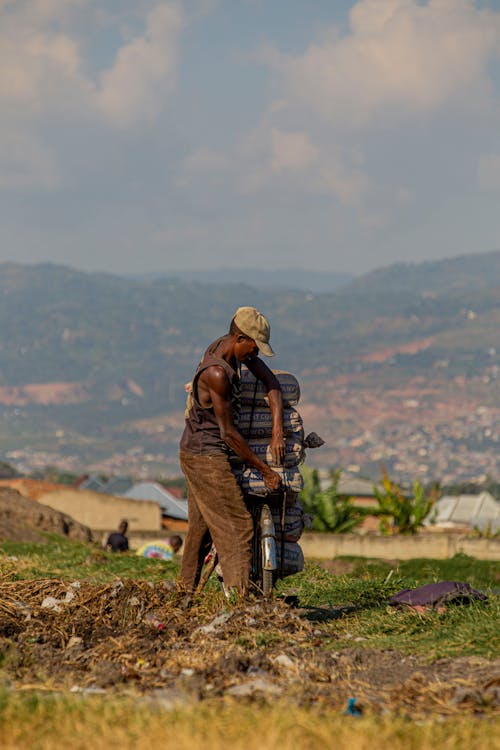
[(117, 540), (216, 508)]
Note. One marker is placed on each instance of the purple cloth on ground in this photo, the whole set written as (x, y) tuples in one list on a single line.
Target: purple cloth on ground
[(437, 593)]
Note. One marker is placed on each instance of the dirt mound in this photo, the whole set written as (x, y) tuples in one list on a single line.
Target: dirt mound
[(22, 520), (82, 636)]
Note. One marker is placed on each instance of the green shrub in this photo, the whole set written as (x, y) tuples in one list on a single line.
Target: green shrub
[(330, 511), (399, 513)]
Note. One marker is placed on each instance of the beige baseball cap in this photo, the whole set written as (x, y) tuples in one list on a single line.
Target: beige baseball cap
[(253, 324)]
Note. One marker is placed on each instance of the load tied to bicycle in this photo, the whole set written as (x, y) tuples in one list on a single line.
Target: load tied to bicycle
[(241, 449)]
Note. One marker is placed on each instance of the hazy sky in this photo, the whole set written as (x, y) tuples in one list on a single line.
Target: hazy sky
[(141, 135)]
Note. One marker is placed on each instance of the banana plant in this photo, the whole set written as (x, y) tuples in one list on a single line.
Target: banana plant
[(399, 513), (330, 511)]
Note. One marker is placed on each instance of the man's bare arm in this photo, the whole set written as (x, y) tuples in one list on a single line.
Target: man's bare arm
[(262, 372), (215, 380)]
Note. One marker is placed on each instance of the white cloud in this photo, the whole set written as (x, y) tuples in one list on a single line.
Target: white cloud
[(349, 183), (291, 151), (39, 65), (399, 58), (43, 68), (291, 163), (46, 84), (334, 173), (368, 140), (133, 90), (355, 112)]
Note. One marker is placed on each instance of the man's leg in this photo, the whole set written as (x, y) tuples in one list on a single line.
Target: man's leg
[(197, 543), (220, 503)]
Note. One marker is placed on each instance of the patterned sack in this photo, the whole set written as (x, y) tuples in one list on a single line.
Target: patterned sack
[(293, 558), (294, 451), (259, 423), (294, 522), (250, 480), (289, 387)]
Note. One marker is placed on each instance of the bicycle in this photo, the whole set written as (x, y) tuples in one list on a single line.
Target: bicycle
[(269, 563), (264, 568)]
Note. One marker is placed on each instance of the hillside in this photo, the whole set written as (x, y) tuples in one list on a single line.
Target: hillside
[(304, 280), (93, 365), (464, 273)]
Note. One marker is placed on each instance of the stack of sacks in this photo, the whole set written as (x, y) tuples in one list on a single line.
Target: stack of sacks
[(289, 385), (294, 526), (255, 424)]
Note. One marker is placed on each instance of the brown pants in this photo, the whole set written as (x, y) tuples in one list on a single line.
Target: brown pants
[(216, 512)]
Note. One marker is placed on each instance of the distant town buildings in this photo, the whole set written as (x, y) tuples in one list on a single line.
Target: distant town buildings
[(430, 428)]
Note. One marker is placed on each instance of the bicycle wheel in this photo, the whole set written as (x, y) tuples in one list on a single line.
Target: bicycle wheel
[(268, 550), (267, 582)]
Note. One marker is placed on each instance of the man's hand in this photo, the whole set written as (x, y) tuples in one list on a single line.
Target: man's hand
[(277, 448), (272, 479)]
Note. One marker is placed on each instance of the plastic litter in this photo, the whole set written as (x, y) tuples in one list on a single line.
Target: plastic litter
[(353, 709), (154, 622)]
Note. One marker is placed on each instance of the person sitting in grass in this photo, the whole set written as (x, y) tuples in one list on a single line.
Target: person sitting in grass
[(117, 541), (175, 542), (162, 549)]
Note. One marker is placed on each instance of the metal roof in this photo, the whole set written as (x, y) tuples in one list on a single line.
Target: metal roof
[(352, 486), (92, 483), (468, 510), (117, 485), (171, 506)]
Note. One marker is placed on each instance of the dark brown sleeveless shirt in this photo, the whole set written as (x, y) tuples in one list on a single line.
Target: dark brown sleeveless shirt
[(201, 434)]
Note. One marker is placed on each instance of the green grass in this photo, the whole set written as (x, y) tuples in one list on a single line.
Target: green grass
[(58, 557), (316, 587), (373, 581), (458, 631), (351, 609), (479, 573)]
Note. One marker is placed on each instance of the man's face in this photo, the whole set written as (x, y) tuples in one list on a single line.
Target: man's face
[(245, 348)]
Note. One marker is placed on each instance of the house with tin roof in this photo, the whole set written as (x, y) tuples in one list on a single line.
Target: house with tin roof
[(174, 510), (466, 512)]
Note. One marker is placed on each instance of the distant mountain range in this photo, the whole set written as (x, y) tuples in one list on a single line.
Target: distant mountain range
[(93, 365), (464, 273), (317, 282)]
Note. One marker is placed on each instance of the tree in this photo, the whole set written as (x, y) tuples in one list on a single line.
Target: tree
[(55, 475), (330, 511), (474, 488), (399, 513), (7, 471)]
